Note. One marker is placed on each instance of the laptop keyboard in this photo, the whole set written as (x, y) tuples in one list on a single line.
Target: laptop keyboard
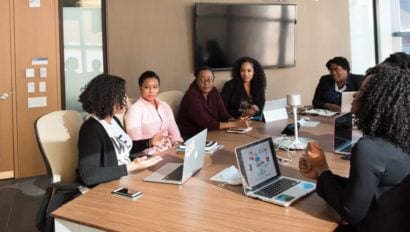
[(176, 174), (277, 187)]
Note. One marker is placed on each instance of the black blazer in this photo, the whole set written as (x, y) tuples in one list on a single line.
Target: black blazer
[(97, 161), (325, 91), (232, 93)]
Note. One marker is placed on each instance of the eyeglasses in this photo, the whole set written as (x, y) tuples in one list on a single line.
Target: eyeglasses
[(206, 81)]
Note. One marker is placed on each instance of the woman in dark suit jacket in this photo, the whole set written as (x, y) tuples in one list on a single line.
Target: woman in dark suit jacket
[(244, 95), (328, 92), (375, 195)]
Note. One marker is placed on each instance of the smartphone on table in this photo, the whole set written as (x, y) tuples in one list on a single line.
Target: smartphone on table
[(128, 193)]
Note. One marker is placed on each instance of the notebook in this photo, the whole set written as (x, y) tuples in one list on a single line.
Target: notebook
[(261, 177), (342, 136), (179, 173), (346, 103)]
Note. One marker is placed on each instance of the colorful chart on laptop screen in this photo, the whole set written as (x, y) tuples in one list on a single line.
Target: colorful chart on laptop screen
[(258, 163)]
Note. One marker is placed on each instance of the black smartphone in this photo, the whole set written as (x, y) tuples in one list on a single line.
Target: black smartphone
[(126, 192)]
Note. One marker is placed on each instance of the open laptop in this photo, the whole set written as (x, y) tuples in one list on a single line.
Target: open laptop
[(342, 139), (261, 178), (346, 102), (179, 173)]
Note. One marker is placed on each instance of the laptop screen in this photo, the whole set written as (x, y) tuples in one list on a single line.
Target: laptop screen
[(346, 104), (258, 163), (343, 131)]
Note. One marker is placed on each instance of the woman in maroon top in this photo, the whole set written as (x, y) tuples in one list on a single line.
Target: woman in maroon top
[(202, 107)]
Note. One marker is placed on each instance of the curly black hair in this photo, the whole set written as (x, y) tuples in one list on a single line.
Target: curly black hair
[(101, 95), (258, 82), (339, 60), (399, 59), (385, 105)]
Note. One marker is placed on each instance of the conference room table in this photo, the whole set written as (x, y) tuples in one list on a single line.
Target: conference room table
[(202, 204)]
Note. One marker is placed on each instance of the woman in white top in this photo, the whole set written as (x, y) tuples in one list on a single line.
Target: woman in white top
[(103, 146)]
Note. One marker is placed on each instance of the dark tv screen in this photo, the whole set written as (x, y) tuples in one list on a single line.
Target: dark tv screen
[(226, 32)]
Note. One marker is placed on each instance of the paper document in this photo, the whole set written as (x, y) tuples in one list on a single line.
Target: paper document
[(229, 175), (320, 112), (308, 123)]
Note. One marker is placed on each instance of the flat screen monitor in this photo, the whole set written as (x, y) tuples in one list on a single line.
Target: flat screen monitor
[(226, 32)]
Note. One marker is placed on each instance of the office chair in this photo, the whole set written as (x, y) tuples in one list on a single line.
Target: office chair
[(57, 137), (173, 98)]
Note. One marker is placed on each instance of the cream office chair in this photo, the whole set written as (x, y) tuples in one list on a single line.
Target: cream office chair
[(173, 98), (219, 82), (57, 137)]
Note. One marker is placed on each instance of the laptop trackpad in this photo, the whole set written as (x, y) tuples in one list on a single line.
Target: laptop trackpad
[(163, 171)]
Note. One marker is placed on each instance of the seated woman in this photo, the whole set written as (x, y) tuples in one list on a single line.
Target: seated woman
[(380, 161), (104, 147), (329, 90), (149, 115), (202, 107), (244, 95)]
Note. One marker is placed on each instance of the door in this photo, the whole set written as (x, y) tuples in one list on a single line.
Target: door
[(6, 100)]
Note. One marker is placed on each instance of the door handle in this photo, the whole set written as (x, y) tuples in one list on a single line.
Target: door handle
[(4, 96)]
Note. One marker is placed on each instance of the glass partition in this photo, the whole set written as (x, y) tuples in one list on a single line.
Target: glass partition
[(83, 47)]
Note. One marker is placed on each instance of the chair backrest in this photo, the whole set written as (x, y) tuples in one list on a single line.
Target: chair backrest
[(57, 137), (219, 82), (173, 98)]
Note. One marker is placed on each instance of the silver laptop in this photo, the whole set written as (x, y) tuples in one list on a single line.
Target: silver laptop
[(179, 173), (342, 136), (346, 103), (261, 178)]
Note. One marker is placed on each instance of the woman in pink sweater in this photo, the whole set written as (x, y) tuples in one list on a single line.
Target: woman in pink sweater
[(150, 116)]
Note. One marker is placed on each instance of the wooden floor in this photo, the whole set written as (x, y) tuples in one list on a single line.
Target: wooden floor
[(19, 201)]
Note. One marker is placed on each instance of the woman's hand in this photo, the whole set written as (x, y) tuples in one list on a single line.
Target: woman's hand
[(159, 140), (314, 163), (242, 122), (142, 162), (251, 111), (306, 169)]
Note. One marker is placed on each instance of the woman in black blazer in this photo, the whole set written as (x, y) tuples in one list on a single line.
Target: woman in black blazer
[(244, 95), (103, 145)]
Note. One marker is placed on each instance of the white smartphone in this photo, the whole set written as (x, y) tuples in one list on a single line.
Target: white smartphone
[(239, 130), (126, 192)]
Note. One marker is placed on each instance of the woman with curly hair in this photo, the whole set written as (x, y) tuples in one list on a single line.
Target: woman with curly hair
[(104, 147), (244, 95), (372, 198)]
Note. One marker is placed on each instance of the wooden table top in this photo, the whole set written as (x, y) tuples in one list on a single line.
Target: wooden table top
[(204, 205)]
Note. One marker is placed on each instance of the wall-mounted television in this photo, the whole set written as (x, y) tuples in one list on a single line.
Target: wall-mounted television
[(226, 32)]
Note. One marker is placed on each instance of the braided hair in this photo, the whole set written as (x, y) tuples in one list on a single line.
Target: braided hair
[(385, 105), (101, 95)]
